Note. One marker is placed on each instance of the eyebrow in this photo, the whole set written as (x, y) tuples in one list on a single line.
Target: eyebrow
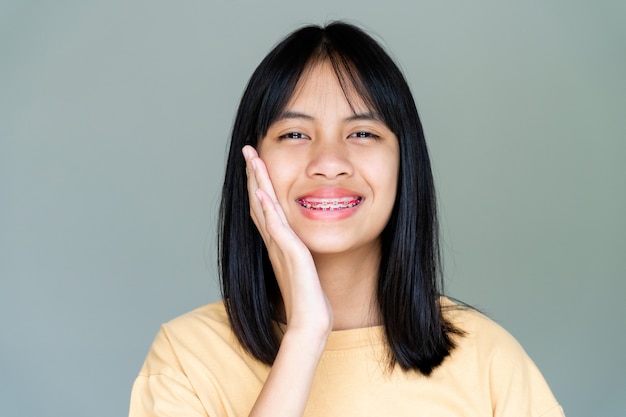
[(355, 117), (293, 115), (364, 116)]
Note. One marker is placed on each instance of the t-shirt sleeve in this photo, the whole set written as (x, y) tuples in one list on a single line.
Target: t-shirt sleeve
[(162, 388), (517, 386)]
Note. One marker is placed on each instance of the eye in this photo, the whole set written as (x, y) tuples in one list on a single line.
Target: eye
[(364, 135), (293, 135)]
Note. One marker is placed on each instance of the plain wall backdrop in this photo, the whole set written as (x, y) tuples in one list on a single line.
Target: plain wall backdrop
[(114, 119)]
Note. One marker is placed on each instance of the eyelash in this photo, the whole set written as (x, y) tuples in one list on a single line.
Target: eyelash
[(293, 135), (364, 135), (360, 135)]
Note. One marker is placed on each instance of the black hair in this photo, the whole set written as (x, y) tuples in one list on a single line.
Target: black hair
[(409, 282)]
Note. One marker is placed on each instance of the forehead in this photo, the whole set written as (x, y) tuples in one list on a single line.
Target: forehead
[(321, 81)]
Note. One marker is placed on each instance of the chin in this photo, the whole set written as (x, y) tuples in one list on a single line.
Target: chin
[(328, 246)]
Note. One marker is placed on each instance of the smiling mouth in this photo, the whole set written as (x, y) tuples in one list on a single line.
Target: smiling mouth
[(326, 204)]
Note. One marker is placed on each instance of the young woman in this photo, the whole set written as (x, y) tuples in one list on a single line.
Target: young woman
[(330, 263)]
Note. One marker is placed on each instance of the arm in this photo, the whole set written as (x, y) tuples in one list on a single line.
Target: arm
[(308, 312)]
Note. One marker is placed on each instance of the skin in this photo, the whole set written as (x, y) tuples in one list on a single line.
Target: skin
[(323, 151)]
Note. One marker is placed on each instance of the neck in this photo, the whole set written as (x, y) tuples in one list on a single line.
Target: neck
[(350, 283)]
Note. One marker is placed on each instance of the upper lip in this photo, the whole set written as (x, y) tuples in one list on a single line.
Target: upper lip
[(330, 193)]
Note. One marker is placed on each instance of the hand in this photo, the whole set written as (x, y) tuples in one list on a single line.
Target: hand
[(307, 308)]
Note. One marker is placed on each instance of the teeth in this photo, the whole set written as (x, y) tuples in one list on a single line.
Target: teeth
[(327, 204)]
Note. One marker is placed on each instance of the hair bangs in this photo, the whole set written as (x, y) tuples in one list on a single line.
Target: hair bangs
[(288, 70)]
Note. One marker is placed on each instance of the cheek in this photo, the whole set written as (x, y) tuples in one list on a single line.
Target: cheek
[(388, 183), (383, 171), (390, 187), (394, 171), (282, 172)]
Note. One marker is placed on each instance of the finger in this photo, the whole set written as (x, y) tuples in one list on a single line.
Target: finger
[(277, 229), (256, 211), (262, 178)]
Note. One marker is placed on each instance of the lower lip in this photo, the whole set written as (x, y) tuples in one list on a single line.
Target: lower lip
[(337, 214)]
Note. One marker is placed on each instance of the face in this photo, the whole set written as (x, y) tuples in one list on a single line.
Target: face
[(334, 167)]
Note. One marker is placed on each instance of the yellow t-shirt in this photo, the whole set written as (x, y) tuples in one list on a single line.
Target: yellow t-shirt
[(196, 368)]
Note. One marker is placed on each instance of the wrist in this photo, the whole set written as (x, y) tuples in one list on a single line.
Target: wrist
[(307, 341)]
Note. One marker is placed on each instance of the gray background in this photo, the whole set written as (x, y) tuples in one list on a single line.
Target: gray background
[(114, 117)]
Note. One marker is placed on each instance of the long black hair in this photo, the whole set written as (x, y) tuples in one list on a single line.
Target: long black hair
[(409, 284)]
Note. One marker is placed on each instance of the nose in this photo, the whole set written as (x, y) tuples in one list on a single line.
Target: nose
[(329, 160)]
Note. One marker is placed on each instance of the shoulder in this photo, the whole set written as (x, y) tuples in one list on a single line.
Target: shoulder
[(487, 350), (199, 326), (208, 316), (191, 335), (193, 360), (485, 346), (479, 332)]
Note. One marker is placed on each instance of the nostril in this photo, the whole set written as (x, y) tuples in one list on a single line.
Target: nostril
[(330, 167)]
